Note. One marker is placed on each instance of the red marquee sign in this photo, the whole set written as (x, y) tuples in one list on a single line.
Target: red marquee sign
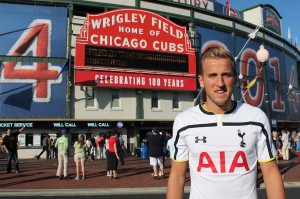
[(135, 49)]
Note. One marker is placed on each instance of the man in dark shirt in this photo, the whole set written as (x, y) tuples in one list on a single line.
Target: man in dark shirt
[(10, 145), (156, 142), (120, 143), (93, 147)]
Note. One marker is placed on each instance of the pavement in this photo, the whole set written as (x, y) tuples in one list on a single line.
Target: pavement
[(37, 177)]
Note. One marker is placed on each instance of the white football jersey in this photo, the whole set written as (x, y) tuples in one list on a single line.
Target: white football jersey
[(223, 150)]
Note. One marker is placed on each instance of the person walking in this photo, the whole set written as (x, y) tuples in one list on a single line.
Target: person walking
[(100, 142), (97, 140), (297, 139), (62, 145), (156, 144), (285, 145), (293, 143), (88, 144), (167, 138), (80, 150), (113, 155), (170, 148), (53, 148), (120, 144), (107, 136), (46, 147), (222, 140), (10, 146), (275, 140), (92, 147)]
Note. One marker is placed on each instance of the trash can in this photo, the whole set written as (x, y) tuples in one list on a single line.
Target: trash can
[(144, 150), (138, 152)]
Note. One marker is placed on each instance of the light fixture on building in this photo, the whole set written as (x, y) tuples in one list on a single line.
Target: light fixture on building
[(241, 76), (262, 56), (138, 91)]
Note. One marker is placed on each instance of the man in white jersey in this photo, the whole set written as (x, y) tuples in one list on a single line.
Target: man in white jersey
[(222, 140)]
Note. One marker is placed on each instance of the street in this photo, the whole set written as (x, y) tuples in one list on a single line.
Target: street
[(291, 193)]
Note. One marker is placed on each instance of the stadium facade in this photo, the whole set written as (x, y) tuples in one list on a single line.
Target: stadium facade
[(90, 66)]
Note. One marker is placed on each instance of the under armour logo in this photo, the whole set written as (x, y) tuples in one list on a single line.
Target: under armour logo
[(242, 143), (197, 139)]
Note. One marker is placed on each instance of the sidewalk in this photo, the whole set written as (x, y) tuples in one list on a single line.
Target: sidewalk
[(37, 177)]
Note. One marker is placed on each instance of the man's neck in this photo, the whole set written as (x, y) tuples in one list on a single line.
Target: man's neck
[(211, 107)]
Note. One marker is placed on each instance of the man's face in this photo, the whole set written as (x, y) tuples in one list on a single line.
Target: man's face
[(218, 81), (8, 131)]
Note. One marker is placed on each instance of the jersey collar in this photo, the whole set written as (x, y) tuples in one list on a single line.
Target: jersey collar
[(234, 104)]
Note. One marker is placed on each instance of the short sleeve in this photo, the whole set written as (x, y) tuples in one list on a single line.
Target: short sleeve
[(265, 149), (180, 149), (4, 141)]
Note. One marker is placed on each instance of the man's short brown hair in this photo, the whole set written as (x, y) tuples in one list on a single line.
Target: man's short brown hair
[(217, 53)]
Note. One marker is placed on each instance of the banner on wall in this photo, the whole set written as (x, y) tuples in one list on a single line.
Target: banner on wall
[(30, 89), (21, 139), (36, 139), (281, 71), (293, 97), (272, 20), (212, 5), (134, 48)]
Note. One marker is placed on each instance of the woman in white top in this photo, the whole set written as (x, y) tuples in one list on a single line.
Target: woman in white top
[(107, 136)]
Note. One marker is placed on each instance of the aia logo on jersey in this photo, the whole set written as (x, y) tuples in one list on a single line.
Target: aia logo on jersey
[(241, 135), (35, 41), (197, 139), (218, 164)]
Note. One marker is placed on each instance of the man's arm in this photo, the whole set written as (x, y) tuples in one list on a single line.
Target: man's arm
[(273, 180), (4, 145), (5, 149), (67, 143), (21, 129), (56, 143), (176, 180), (168, 148)]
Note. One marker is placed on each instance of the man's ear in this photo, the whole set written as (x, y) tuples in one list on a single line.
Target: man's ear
[(200, 79)]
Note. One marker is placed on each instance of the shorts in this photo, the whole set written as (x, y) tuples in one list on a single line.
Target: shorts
[(156, 161), (79, 157)]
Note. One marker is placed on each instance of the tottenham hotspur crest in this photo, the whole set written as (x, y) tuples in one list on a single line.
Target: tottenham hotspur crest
[(240, 134)]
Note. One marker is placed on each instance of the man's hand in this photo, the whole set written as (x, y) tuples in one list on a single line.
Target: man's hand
[(5, 149)]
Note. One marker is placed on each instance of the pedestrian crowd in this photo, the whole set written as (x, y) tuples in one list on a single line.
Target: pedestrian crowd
[(109, 146), (286, 143)]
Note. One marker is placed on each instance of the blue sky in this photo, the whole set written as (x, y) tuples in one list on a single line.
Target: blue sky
[(289, 11)]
